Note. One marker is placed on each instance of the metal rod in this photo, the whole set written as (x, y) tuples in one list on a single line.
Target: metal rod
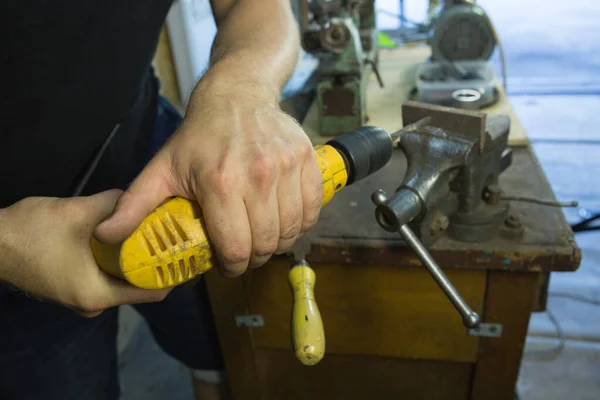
[(88, 173), (550, 203), (470, 318)]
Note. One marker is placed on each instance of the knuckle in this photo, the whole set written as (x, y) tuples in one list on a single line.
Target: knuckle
[(263, 170), (86, 304), (266, 239), (314, 201), (284, 246), (76, 210), (288, 160), (291, 230), (265, 249), (306, 149), (310, 220), (221, 181), (236, 255)]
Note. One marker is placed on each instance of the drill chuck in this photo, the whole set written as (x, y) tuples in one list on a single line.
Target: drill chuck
[(365, 151)]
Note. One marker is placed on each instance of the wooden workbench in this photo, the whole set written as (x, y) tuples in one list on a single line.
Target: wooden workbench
[(390, 332)]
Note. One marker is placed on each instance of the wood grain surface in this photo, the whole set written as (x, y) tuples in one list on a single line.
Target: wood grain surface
[(361, 378), (509, 301), (228, 300), (372, 310)]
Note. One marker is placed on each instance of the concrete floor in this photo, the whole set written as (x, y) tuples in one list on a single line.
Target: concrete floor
[(572, 373), (553, 58)]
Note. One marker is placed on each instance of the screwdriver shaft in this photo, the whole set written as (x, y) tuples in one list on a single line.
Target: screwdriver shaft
[(470, 318)]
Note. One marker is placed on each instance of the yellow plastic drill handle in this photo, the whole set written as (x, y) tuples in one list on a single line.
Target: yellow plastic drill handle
[(308, 335), (170, 247)]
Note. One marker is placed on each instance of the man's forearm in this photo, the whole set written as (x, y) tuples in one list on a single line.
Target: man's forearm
[(257, 43)]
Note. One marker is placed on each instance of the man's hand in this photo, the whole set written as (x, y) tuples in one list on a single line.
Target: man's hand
[(251, 168), (45, 251)]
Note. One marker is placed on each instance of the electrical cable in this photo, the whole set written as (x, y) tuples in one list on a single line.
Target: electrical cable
[(542, 202), (575, 297), (560, 333), (554, 352), (586, 224)]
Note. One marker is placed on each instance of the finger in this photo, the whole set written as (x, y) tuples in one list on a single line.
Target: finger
[(107, 291), (100, 205), (147, 192), (263, 215), (290, 207), (229, 231), (88, 212), (282, 252), (122, 292), (312, 193)]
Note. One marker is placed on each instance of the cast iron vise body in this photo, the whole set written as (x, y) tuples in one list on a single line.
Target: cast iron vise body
[(451, 184)]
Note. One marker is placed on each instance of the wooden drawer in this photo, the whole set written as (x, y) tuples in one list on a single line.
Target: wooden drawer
[(361, 378), (372, 311)]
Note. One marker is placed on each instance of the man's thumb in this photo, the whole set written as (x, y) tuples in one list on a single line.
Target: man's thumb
[(146, 193), (100, 205)]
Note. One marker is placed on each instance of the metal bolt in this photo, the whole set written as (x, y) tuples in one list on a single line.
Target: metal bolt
[(444, 222), (440, 223), (379, 197), (492, 193), (513, 221)]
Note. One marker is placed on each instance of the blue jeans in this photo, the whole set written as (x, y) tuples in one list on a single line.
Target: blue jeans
[(48, 352)]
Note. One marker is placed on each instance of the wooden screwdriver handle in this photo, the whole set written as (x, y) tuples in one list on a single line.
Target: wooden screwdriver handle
[(308, 334)]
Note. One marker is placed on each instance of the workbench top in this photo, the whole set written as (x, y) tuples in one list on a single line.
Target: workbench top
[(347, 231)]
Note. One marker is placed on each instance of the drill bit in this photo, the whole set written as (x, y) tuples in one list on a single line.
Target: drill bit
[(410, 128)]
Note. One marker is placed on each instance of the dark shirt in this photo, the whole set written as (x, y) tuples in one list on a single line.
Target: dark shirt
[(70, 71)]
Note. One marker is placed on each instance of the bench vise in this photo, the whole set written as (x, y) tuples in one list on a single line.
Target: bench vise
[(451, 185)]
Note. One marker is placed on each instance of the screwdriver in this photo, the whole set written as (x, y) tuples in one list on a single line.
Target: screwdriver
[(307, 333), (171, 247)]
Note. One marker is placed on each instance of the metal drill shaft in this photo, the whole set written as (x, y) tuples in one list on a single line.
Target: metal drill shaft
[(470, 318), (412, 127)]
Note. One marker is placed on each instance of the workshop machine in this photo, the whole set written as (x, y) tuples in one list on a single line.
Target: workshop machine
[(460, 74), (342, 34)]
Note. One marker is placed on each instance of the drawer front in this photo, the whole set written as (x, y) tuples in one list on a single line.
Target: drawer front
[(372, 310), (361, 378)]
